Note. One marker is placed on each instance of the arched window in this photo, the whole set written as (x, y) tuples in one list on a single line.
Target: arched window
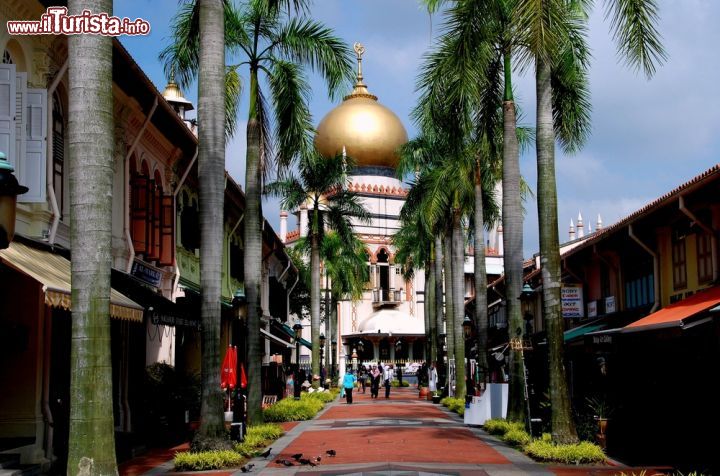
[(7, 58), (190, 226), (152, 216)]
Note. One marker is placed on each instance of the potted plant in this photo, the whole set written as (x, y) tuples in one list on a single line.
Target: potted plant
[(436, 396), (423, 385), (601, 411)]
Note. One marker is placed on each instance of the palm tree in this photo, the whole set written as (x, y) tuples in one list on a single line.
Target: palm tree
[(476, 53), (346, 269), (272, 44), (321, 183), (211, 177), (91, 140), (555, 34)]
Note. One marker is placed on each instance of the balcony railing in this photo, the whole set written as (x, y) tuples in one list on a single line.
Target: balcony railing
[(382, 296)]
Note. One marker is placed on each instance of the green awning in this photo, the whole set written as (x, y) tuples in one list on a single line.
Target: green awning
[(290, 332), (580, 331)]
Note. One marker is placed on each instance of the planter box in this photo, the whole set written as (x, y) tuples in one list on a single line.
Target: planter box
[(436, 399), (498, 393)]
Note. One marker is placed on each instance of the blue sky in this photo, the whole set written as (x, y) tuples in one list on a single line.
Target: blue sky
[(647, 136)]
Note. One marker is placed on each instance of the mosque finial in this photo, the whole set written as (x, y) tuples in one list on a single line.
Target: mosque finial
[(360, 51)]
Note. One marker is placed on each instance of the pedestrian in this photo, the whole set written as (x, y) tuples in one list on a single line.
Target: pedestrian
[(375, 375), (290, 384), (387, 376), (348, 385), (362, 377), (432, 378)]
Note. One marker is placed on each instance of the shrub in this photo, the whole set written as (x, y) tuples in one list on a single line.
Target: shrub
[(396, 383), (325, 397), (583, 452), (289, 409), (453, 404), (498, 426), (201, 443), (517, 437), (206, 460), (257, 438)]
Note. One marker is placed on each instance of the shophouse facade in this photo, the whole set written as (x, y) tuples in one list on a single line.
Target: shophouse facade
[(155, 275)]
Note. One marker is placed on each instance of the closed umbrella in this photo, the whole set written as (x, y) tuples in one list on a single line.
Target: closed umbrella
[(243, 376), (228, 372)]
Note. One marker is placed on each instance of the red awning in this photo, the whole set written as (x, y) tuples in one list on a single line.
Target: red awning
[(674, 314)]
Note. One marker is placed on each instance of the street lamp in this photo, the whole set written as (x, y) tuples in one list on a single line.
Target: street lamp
[(467, 326), (360, 350), (398, 349), (334, 358), (9, 190), (322, 354), (526, 297), (239, 304), (298, 334)]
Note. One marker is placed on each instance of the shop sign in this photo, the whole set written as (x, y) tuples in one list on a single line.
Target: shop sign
[(609, 304), (146, 274), (602, 339), (572, 302), (592, 309), (162, 319)]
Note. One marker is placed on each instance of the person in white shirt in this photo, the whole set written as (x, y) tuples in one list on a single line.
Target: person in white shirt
[(432, 378), (387, 377)]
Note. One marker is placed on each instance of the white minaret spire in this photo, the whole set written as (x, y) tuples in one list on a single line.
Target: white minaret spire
[(580, 228), (590, 229), (283, 225), (572, 230), (599, 223)]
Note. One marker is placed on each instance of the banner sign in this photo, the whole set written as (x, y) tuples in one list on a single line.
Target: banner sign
[(609, 304), (572, 302), (592, 309), (146, 274)]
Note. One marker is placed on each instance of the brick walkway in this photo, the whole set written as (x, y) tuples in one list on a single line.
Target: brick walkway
[(398, 436)]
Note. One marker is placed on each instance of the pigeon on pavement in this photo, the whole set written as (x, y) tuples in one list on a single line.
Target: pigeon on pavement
[(266, 453), (331, 452), (297, 456)]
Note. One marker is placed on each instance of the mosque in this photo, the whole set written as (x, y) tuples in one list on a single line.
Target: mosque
[(387, 325)]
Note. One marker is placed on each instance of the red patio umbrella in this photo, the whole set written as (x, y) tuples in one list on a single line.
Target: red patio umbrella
[(228, 371), (243, 377)]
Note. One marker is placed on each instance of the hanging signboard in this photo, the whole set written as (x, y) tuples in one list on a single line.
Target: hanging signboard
[(609, 304), (592, 309), (572, 301)]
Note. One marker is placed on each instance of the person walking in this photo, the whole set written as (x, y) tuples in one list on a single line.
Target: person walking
[(432, 378), (362, 377), (348, 385), (387, 377), (375, 375)]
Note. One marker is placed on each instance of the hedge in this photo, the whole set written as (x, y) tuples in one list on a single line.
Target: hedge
[(580, 453), (207, 460), (453, 404), (289, 409)]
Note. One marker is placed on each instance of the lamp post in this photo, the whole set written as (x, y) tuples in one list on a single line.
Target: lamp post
[(239, 303), (442, 376), (398, 349), (360, 350), (467, 331), (298, 334), (520, 345), (322, 354), (334, 359), (9, 190)]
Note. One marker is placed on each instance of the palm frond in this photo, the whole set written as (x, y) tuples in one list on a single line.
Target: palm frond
[(634, 27), (308, 42), (180, 58), (293, 122), (233, 93)]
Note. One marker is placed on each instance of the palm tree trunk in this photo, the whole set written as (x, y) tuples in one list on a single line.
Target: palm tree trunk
[(328, 334), (211, 178), (481, 311), (563, 427), (439, 301), (458, 289), (512, 244), (450, 301), (252, 254), (91, 139), (431, 320), (315, 296), (333, 329)]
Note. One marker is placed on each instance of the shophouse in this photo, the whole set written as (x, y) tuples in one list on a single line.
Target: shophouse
[(155, 276)]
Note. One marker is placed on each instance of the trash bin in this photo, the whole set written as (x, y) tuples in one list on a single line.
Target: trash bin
[(478, 410), (536, 427)]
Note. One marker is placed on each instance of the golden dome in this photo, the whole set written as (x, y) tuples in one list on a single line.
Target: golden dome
[(370, 132)]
